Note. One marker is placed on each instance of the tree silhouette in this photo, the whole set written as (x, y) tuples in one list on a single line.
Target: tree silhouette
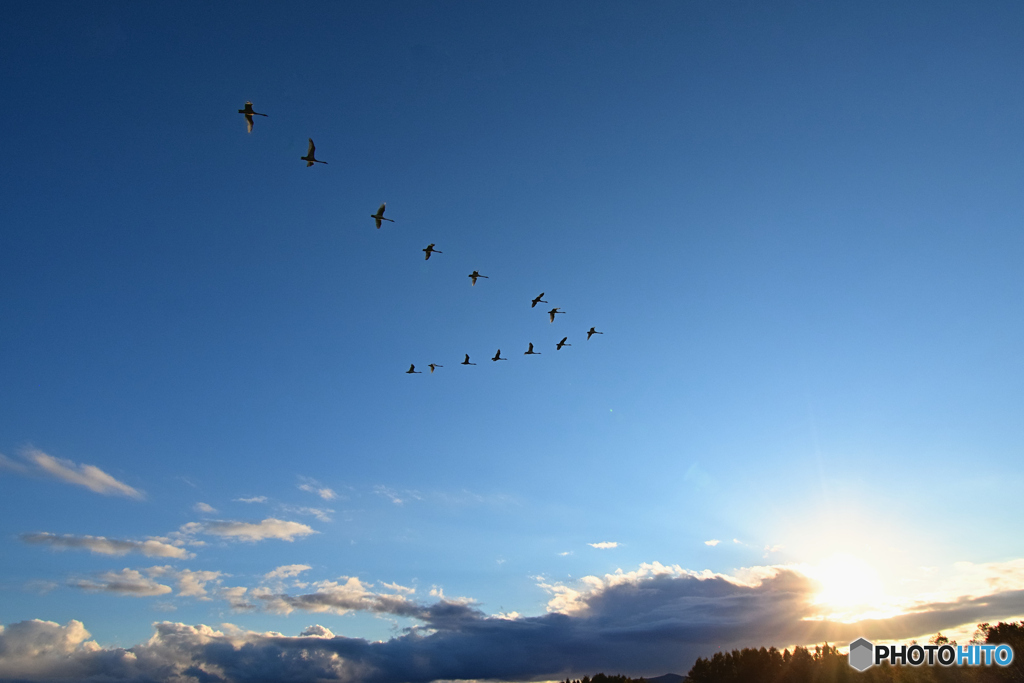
[(827, 665)]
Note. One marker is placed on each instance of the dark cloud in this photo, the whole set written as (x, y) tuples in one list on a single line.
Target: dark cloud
[(640, 624)]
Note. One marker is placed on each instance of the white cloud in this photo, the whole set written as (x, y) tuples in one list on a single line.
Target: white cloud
[(322, 514), (247, 531), (41, 587), (566, 553), (203, 507), (604, 545), (398, 588), (190, 583), (144, 582), (44, 649), (313, 486), (254, 499), (390, 494), (509, 616), (286, 571), (341, 597), (12, 465), (107, 546), (235, 597), (712, 542), (193, 583), (569, 600), (88, 476), (974, 580), (126, 582), (316, 631)]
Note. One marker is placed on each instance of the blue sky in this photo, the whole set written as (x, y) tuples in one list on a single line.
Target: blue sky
[(797, 225)]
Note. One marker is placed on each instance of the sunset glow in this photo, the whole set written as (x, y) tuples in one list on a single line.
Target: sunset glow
[(849, 586)]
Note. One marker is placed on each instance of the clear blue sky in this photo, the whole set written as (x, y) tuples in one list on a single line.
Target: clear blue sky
[(797, 224)]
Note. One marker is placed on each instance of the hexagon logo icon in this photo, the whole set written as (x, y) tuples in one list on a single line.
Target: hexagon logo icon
[(862, 654)]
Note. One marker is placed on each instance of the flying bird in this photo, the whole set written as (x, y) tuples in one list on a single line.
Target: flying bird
[(497, 356), (561, 344), (475, 274), (466, 362), (379, 216), (309, 158), (413, 371), (530, 351), (592, 332), (432, 366), (538, 300), (553, 312), (430, 250), (249, 113)]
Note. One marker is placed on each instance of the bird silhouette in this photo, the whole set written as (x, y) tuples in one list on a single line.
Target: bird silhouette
[(561, 344), (430, 250), (432, 366), (475, 274), (379, 216), (466, 362), (530, 351), (413, 371), (309, 158), (553, 312), (592, 332), (538, 300), (497, 356), (249, 113)]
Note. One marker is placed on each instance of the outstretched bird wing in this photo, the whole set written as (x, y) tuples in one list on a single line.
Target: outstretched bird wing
[(248, 122), (312, 148)]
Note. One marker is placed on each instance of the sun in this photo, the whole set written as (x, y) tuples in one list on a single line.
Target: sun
[(848, 585)]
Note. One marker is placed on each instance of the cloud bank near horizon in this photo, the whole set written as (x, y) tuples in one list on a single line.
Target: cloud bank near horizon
[(655, 619)]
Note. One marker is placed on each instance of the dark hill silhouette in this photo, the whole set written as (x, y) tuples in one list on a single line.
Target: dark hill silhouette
[(667, 678)]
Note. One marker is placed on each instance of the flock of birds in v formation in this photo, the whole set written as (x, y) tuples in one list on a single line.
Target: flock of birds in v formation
[(378, 218)]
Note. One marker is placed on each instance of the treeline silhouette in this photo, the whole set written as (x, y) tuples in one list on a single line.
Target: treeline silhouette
[(826, 665), (602, 678)]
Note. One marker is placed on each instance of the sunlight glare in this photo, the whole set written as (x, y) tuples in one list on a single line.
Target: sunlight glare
[(847, 583)]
